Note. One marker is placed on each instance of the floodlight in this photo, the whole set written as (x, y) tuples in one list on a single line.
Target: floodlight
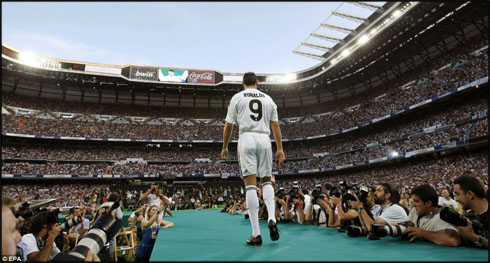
[(363, 40), (29, 59), (345, 53), (393, 154), (397, 13), (289, 77)]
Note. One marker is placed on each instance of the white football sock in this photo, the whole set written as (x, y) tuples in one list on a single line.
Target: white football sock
[(253, 208), (268, 195)]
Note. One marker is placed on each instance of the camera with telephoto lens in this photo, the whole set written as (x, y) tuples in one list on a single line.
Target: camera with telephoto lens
[(294, 191), (70, 223), (103, 230), (280, 193), (363, 193), (24, 211), (400, 230), (355, 231), (316, 193), (453, 217)]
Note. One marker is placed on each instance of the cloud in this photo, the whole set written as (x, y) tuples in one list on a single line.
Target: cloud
[(55, 47)]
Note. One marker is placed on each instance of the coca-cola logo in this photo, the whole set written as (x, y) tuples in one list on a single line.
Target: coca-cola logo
[(201, 77)]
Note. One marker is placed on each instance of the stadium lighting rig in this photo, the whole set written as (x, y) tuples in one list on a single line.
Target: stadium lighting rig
[(282, 78), (29, 59), (363, 37)]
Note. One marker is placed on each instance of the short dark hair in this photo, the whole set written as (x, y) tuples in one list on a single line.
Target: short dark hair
[(394, 194), (426, 193), (469, 183), (40, 219), (328, 186), (114, 197), (250, 79), (72, 210)]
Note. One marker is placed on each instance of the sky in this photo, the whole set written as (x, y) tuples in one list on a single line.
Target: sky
[(231, 37)]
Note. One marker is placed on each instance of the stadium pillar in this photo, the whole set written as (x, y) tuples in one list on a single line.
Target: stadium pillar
[(82, 94), (16, 82), (40, 89)]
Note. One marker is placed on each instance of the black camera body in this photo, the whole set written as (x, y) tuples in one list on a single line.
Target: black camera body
[(280, 193), (453, 217)]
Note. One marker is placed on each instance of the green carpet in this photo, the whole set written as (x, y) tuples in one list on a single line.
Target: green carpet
[(208, 235)]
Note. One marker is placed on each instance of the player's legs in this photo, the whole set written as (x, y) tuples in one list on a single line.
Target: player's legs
[(248, 168), (264, 169)]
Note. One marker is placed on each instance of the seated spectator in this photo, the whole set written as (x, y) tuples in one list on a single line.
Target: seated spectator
[(150, 227), (446, 200)]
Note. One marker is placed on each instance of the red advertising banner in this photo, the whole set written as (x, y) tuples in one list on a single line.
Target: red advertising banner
[(206, 77)]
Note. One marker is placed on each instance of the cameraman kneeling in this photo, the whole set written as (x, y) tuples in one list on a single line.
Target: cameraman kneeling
[(426, 218)]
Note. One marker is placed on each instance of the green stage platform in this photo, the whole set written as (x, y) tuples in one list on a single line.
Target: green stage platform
[(208, 235)]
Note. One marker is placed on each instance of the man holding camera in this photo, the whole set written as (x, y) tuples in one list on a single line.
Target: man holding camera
[(317, 210), (471, 195), (390, 212), (155, 196), (426, 217), (39, 245), (79, 228)]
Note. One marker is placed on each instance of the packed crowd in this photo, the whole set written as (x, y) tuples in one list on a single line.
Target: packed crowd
[(437, 172), (463, 69), (350, 201), (469, 129)]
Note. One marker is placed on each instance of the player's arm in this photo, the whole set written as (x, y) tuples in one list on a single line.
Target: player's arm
[(226, 139), (276, 131)]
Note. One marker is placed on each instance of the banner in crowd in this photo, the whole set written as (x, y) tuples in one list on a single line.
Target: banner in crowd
[(173, 75), (206, 77), (144, 73)]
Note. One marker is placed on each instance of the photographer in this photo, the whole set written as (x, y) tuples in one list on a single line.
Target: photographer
[(295, 200), (81, 228), (364, 204), (317, 210), (282, 213), (39, 245), (343, 213), (390, 212), (426, 217), (471, 195), (155, 196)]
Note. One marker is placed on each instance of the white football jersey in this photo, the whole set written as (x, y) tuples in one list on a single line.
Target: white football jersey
[(253, 110)]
